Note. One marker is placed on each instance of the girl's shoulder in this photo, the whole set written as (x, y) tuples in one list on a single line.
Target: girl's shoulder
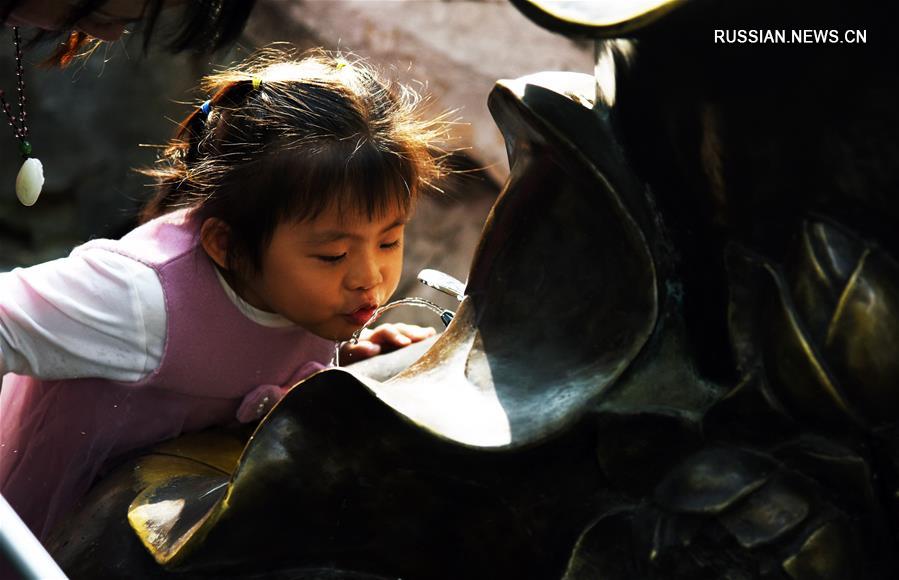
[(154, 243), (112, 304)]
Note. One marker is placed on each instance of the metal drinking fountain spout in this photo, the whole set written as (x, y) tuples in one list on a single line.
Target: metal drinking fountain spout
[(443, 282), (446, 284)]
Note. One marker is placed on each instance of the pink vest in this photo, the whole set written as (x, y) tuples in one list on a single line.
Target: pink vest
[(56, 435)]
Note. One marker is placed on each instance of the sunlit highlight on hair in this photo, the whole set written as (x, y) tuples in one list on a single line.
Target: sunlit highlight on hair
[(322, 130)]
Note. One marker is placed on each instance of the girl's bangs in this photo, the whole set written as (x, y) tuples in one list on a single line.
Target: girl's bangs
[(356, 178)]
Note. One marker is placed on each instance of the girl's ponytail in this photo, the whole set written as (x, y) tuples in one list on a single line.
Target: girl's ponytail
[(177, 168)]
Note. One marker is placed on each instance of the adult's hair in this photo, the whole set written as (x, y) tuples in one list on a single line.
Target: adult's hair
[(203, 26), (287, 138)]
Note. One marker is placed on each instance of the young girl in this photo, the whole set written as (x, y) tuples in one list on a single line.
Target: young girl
[(277, 229)]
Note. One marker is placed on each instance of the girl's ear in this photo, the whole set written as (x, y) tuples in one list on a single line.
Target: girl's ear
[(214, 237)]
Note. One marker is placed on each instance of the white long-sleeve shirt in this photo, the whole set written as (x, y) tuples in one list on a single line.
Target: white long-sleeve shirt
[(95, 314)]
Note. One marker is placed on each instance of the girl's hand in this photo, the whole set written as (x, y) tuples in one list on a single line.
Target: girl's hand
[(383, 338)]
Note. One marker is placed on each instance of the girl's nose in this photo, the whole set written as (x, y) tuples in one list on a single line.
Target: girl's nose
[(364, 274)]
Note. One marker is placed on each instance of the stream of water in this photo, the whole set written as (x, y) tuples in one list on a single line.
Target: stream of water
[(412, 301)]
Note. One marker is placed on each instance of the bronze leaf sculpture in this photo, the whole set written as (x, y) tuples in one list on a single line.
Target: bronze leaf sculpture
[(677, 355)]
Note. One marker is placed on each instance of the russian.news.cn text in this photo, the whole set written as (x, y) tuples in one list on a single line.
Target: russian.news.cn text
[(789, 36)]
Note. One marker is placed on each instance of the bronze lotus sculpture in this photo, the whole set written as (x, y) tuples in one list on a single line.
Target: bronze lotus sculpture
[(676, 356)]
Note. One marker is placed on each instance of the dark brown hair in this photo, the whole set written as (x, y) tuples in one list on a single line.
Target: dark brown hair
[(286, 138), (203, 26)]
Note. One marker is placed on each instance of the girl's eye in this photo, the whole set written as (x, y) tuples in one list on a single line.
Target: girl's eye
[(331, 259), (391, 245)]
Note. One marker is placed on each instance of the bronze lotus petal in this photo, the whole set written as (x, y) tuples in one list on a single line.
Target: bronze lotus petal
[(829, 347)]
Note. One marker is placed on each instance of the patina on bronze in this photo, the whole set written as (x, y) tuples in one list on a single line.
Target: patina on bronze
[(774, 170), (676, 357), (596, 18)]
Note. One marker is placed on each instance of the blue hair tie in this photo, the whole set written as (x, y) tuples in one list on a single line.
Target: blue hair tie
[(205, 107)]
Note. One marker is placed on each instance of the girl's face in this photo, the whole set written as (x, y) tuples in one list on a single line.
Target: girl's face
[(329, 274)]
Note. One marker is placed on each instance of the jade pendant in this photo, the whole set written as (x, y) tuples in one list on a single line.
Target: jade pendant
[(30, 181)]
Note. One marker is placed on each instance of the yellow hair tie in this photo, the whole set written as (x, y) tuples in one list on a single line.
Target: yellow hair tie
[(340, 64), (257, 82)]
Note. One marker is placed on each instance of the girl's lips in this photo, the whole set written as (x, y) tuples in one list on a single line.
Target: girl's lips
[(361, 315)]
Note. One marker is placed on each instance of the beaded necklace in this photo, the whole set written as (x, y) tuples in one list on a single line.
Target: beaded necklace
[(30, 179)]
